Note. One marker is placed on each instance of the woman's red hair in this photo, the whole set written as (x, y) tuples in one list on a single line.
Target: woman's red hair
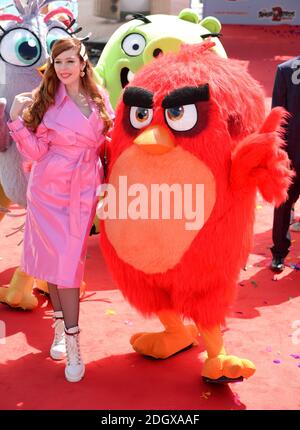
[(44, 95)]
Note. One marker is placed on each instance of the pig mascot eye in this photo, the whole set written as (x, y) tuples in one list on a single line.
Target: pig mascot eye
[(134, 44)]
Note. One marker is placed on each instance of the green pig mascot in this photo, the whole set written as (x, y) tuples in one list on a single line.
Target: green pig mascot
[(138, 41)]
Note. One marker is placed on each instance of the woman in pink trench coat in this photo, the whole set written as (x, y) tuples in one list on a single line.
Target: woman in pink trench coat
[(61, 196)]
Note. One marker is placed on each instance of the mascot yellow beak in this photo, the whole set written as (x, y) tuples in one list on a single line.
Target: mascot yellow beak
[(155, 140), (41, 70)]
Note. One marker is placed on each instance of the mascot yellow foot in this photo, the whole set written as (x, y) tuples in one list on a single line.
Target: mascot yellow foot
[(220, 367), (19, 293), (42, 286), (175, 338), (4, 203), (227, 368)]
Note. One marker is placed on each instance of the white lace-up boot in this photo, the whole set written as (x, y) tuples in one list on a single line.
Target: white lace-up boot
[(75, 368), (58, 347)]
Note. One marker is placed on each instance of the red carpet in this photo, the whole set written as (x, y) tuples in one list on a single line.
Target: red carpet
[(259, 327)]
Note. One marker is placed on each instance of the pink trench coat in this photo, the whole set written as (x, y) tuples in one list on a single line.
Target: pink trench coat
[(61, 195)]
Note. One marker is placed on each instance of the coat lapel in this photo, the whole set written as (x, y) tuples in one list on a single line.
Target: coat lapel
[(68, 115)]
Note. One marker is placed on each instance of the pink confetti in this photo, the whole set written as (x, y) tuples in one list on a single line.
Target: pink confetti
[(277, 361), (297, 356)]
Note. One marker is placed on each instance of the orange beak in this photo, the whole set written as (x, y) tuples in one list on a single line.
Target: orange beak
[(41, 69), (155, 140)]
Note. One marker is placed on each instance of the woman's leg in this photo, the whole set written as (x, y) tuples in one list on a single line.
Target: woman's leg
[(69, 300), (54, 297), (58, 347)]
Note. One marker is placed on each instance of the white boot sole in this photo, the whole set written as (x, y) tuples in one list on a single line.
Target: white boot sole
[(74, 378), (55, 355)]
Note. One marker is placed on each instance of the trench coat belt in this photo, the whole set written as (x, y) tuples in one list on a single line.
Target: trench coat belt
[(82, 155)]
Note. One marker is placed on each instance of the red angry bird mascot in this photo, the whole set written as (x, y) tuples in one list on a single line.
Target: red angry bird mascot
[(194, 124)]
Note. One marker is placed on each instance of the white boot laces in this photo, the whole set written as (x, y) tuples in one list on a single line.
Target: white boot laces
[(73, 348), (59, 330)]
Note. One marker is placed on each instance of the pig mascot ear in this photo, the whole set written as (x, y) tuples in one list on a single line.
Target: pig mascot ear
[(189, 15), (212, 24)]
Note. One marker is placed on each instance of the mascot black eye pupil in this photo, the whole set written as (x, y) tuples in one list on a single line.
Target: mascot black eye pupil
[(136, 47), (28, 50), (176, 112), (142, 114)]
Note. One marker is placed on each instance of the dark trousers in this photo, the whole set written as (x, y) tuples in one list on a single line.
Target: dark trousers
[(281, 222)]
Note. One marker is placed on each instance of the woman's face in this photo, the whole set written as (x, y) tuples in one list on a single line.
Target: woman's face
[(68, 66)]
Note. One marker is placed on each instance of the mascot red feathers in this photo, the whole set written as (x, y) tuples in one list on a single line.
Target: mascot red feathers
[(196, 119)]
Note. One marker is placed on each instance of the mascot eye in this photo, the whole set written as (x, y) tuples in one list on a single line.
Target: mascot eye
[(134, 44), (55, 34), (182, 118), (140, 117), (20, 47)]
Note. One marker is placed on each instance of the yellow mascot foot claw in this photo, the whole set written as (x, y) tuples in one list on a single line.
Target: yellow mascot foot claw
[(19, 293), (164, 344), (41, 286), (227, 368)]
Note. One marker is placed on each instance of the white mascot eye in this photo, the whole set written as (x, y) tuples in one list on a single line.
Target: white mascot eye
[(134, 44), (20, 47), (140, 117), (181, 118), (54, 34)]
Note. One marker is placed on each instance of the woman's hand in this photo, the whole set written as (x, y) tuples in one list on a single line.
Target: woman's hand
[(20, 102)]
